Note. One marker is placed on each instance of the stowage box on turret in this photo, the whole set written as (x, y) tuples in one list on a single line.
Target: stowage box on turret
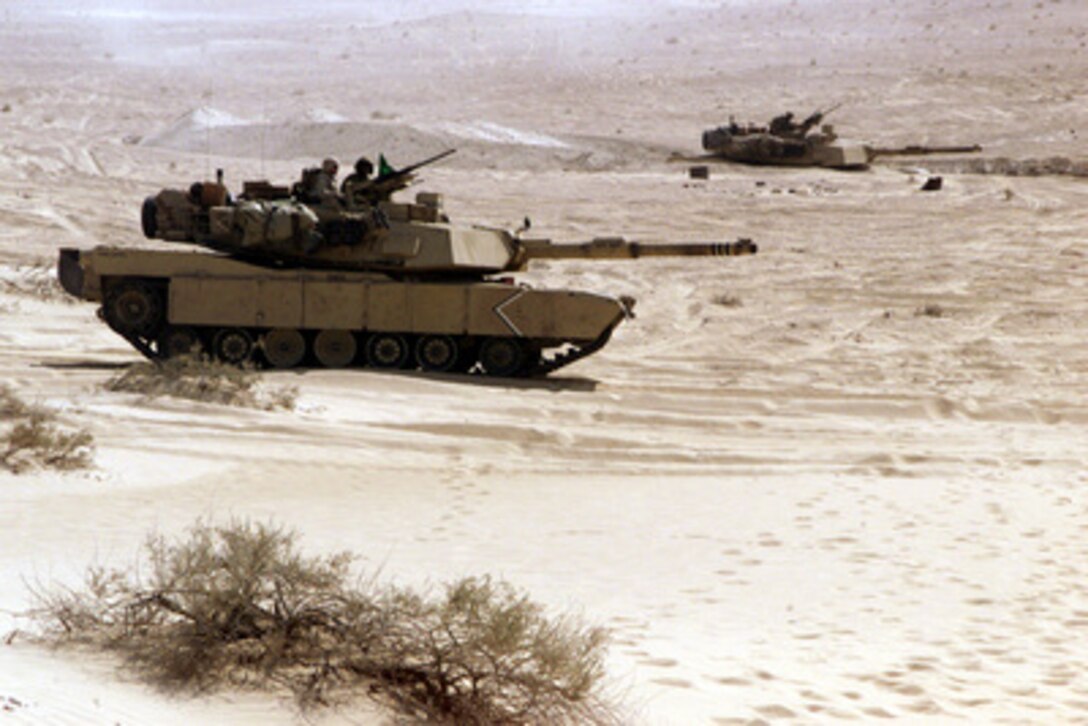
[(337, 281)]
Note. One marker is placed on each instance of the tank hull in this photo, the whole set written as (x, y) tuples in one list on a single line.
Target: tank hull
[(161, 301)]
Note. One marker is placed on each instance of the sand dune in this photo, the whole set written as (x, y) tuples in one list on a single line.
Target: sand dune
[(480, 144)]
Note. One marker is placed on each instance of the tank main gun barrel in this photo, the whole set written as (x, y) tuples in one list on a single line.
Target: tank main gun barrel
[(918, 150), (617, 248)]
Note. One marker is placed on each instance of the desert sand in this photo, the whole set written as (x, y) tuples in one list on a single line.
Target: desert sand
[(843, 479)]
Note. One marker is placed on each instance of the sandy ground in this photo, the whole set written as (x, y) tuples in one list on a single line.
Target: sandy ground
[(791, 494)]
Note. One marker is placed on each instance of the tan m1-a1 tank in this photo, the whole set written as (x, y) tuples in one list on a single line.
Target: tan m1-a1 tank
[(346, 279), (786, 142)]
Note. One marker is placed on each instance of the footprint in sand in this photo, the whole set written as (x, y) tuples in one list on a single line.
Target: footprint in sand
[(775, 710), (8, 704), (671, 682), (877, 712), (920, 664), (731, 681)]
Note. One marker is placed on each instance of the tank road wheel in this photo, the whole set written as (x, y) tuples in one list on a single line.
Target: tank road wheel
[(335, 348), (501, 356), (176, 342), (437, 353), (232, 345), (283, 347), (134, 308), (386, 350)]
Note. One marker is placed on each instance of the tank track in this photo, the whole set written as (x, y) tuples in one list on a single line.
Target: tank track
[(147, 347), (572, 355)]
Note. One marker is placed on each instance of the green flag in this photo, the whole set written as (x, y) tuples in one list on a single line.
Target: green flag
[(384, 167)]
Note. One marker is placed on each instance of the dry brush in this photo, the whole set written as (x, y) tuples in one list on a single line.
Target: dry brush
[(238, 605), (199, 378), (32, 437)]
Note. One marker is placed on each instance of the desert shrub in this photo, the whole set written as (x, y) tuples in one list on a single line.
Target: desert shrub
[(228, 605), (486, 654), (37, 442), (199, 378), (34, 438), (39, 281), (238, 605), (11, 406)]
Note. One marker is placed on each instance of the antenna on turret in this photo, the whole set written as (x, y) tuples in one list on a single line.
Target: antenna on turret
[(210, 106), (264, 124)]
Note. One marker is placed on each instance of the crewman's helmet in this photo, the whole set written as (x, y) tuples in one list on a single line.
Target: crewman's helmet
[(363, 167), (330, 167)]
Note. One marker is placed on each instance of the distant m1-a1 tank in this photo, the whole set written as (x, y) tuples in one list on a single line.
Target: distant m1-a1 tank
[(785, 142), (337, 281)]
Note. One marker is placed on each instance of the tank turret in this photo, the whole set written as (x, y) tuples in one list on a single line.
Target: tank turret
[(397, 238), (338, 280)]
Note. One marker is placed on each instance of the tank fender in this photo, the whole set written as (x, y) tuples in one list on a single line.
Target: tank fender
[(70, 272)]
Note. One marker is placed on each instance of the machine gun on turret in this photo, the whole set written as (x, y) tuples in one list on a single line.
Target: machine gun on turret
[(387, 182), (816, 117)]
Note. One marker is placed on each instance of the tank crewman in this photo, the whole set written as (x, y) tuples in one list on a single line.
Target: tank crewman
[(354, 186), (783, 125), (318, 184), (363, 169), (373, 190), (324, 183)]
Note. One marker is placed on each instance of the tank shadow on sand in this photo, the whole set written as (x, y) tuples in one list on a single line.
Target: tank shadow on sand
[(569, 383), (83, 365), (552, 383)]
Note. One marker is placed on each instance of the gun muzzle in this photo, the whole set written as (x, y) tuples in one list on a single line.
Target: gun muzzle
[(743, 246)]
